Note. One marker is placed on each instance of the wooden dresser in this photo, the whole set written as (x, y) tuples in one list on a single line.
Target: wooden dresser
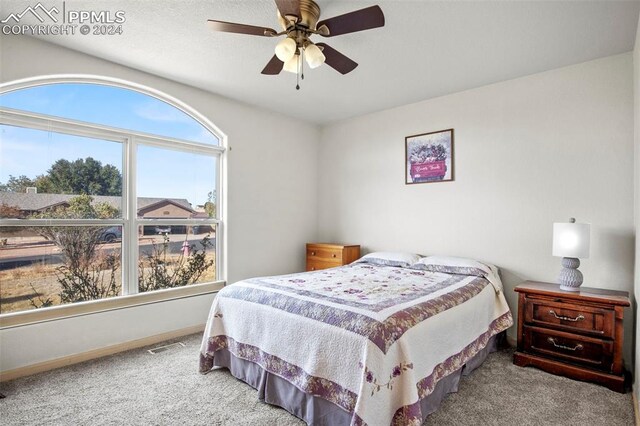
[(573, 334), (323, 256)]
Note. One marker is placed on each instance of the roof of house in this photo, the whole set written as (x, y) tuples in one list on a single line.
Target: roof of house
[(200, 215), (35, 202), (160, 202)]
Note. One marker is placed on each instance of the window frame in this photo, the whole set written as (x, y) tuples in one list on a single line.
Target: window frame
[(129, 140)]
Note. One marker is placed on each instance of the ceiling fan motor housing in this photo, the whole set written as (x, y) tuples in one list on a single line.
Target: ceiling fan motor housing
[(310, 13)]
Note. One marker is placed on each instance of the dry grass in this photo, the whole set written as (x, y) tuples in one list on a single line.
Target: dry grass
[(17, 285), (16, 289)]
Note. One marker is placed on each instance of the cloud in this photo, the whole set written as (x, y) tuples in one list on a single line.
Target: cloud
[(158, 111)]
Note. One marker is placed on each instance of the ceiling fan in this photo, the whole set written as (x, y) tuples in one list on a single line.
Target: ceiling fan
[(299, 20)]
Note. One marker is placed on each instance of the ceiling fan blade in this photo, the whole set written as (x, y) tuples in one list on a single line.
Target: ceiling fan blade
[(273, 67), (230, 27), (289, 7), (337, 60), (359, 20)]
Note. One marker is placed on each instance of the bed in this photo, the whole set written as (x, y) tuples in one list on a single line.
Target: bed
[(380, 341)]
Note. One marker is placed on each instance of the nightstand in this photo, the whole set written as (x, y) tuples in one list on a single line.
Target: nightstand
[(323, 256), (573, 334)]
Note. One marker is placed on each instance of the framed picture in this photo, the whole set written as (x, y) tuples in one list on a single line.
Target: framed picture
[(429, 157)]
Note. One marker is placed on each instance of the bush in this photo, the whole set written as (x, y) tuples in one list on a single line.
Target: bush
[(89, 282), (86, 273), (156, 272)]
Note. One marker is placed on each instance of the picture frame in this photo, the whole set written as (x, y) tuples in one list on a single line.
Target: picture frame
[(429, 157)]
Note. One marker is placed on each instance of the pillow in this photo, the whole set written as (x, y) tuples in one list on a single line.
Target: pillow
[(460, 266), (452, 265), (389, 258)]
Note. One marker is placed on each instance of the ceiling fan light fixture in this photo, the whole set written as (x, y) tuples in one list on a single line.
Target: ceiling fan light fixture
[(291, 65), (314, 56), (286, 49), (300, 21)]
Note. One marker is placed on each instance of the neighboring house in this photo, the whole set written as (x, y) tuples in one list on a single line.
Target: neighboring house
[(165, 208), (153, 208)]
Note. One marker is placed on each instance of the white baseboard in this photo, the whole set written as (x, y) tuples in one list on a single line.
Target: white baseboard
[(96, 353)]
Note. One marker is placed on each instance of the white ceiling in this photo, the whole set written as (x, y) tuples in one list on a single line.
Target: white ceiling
[(426, 49)]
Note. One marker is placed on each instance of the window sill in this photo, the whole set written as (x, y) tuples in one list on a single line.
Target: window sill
[(55, 313)]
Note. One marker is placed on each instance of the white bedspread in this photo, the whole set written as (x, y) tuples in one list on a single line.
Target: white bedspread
[(373, 340)]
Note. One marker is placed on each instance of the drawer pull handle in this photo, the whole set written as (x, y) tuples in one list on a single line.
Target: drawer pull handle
[(563, 318), (577, 347), (313, 253), (334, 255)]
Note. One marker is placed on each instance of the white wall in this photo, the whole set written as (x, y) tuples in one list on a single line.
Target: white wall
[(528, 152), (636, 180), (271, 209)]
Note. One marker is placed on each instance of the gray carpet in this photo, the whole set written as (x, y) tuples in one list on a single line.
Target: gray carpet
[(137, 388)]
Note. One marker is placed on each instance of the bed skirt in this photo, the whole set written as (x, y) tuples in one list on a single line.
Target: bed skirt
[(317, 411)]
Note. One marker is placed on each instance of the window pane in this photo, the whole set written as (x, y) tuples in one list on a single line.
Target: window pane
[(173, 184), (43, 174), (109, 106), (48, 174), (175, 256), (49, 266)]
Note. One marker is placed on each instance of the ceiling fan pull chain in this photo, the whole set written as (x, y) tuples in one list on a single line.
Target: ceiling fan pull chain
[(298, 72), (302, 64)]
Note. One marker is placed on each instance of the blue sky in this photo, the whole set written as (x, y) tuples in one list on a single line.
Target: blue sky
[(161, 173)]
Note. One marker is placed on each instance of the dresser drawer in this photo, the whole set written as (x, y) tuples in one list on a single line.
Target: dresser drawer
[(324, 253), (576, 349), (570, 317), (323, 256), (315, 264)]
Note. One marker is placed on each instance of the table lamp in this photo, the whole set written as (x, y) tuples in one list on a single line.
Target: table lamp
[(571, 242)]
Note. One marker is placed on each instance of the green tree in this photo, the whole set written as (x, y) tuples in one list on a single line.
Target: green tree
[(17, 184), (86, 176), (82, 176)]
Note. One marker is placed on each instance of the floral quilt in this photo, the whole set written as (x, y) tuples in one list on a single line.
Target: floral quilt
[(373, 340)]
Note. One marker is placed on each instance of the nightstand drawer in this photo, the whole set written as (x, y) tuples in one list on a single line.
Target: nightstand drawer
[(573, 348), (570, 317), (324, 253), (575, 334)]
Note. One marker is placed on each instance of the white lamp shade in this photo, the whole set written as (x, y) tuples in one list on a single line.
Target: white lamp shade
[(314, 56), (286, 49), (291, 65), (571, 240)]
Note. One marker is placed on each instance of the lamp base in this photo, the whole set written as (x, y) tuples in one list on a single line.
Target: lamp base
[(570, 278)]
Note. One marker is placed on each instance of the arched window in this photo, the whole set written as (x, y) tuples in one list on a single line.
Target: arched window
[(106, 189)]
